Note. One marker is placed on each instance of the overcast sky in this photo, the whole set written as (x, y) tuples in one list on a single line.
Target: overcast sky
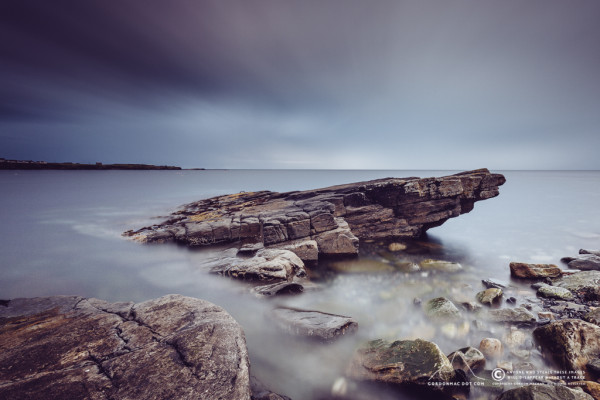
[(445, 84)]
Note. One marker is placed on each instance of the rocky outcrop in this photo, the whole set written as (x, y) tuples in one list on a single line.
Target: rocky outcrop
[(404, 362), (333, 219), (314, 324), (571, 342), (266, 265), (534, 271), (70, 347)]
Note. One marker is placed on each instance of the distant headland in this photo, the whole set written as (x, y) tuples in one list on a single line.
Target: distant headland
[(20, 164)]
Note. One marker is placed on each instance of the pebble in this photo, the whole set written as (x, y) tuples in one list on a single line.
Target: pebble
[(491, 347)]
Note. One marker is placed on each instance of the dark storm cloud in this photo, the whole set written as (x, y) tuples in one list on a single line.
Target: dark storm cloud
[(364, 84)]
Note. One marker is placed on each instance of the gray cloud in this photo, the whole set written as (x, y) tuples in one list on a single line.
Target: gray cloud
[(302, 84)]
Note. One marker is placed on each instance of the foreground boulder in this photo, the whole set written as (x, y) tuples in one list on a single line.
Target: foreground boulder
[(572, 343), (69, 347), (404, 362), (545, 392), (334, 218)]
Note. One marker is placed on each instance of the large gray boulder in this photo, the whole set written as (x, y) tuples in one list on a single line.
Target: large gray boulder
[(336, 217), (572, 343), (71, 347)]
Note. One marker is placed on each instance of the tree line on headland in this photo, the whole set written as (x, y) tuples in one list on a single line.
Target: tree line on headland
[(20, 164)]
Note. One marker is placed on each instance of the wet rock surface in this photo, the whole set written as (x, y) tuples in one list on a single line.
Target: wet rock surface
[(584, 262), (534, 271), (546, 392), (404, 362), (69, 347), (572, 343), (313, 324), (335, 217), (585, 284)]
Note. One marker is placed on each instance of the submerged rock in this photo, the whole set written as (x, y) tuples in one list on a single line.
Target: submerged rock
[(438, 265), (572, 343), (585, 284), (315, 324), (489, 296), (546, 392), (517, 315), (404, 362), (267, 264), (73, 348), (278, 288), (468, 359), (441, 308), (335, 217), (534, 271), (488, 283), (491, 347)]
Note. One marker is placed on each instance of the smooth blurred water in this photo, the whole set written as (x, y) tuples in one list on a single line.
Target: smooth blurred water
[(61, 232)]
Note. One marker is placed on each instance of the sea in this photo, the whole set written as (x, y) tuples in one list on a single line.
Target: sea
[(60, 234)]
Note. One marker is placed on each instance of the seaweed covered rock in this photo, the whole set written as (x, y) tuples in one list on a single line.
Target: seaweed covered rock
[(404, 362), (572, 343)]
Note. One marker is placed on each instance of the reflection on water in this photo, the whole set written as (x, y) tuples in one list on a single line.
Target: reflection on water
[(61, 235)]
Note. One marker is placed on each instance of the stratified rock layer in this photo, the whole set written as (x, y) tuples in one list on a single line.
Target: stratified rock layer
[(69, 347), (333, 218)]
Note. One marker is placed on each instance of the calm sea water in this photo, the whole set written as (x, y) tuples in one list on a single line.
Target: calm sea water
[(61, 231)]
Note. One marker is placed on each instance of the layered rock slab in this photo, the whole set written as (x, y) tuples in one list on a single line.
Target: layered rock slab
[(77, 348), (335, 217)]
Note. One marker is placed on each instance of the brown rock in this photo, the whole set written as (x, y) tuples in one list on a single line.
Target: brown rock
[(491, 347), (76, 348), (534, 271), (336, 217), (591, 388)]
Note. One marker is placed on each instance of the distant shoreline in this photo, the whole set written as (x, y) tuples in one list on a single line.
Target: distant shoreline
[(19, 164)]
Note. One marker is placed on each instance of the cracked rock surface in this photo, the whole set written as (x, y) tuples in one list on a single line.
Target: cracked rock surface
[(328, 221), (69, 347)]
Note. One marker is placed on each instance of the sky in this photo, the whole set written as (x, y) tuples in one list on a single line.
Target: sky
[(441, 84)]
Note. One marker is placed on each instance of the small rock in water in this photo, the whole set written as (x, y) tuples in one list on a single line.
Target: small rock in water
[(467, 359), (316, 324), (594, 252), (417, 301), (517, 315), (491, 347), (278, 288), (441, 308), (339, 387), (396, 247), (585, 262), (489, 296), (546, 315), (438, 265), (514, 338), (553, 292), (534, 271), (505, 365), (511, 300), (488, 283)]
